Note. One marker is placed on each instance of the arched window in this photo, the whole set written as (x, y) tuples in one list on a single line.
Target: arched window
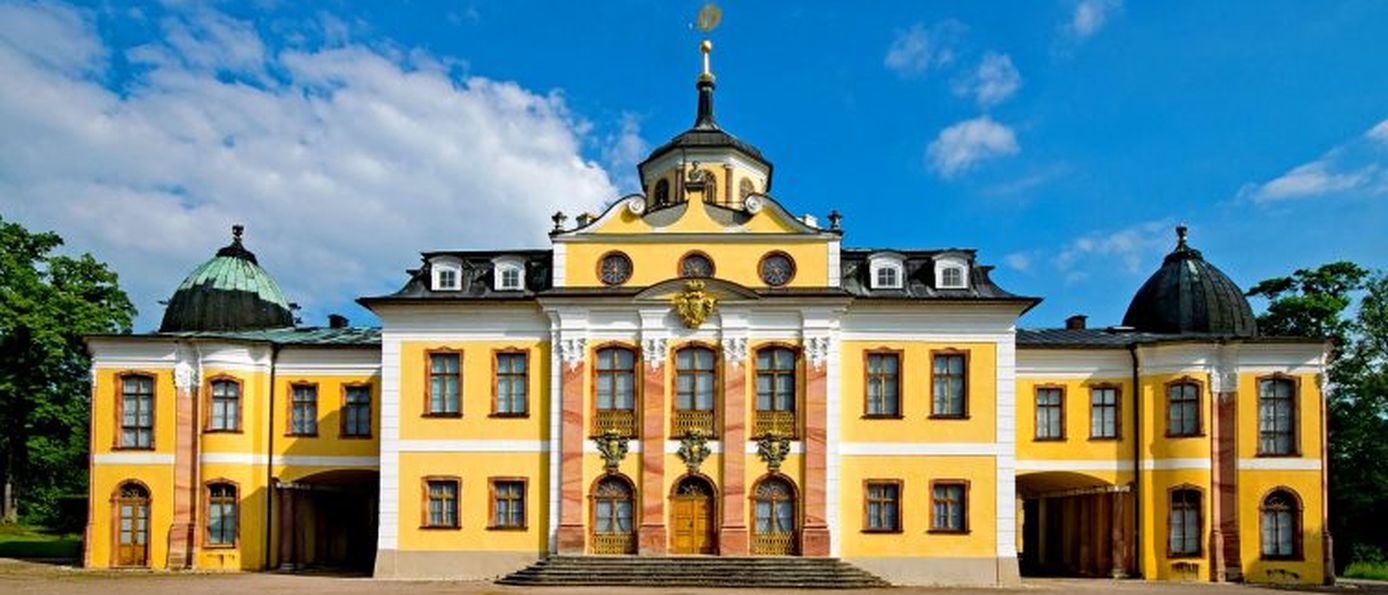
[(662, 192), (132, 524), (694, 390), (1281, 525), (774, 530), (745, 188), (615, 386), (225, 405), (1184, 523), (613, 517), (222, 509), (776, 391), (136, 411), (1183, 409), (1276, 416)]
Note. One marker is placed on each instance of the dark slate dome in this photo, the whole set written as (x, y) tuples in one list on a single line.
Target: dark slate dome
[(228, 293), (1189, 295)]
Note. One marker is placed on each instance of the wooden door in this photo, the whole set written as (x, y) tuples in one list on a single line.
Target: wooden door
[(132, 531), (693, 520)]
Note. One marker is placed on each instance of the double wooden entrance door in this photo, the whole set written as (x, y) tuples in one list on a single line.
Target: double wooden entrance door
[(132, 528), (694, 524)]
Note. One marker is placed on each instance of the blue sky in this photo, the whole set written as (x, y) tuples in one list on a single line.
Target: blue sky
[(1063, 139)]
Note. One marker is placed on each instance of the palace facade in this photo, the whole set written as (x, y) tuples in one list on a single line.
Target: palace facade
[(698, 371)]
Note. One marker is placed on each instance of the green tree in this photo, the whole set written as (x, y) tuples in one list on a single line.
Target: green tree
[(1317, 303), (48, 302)]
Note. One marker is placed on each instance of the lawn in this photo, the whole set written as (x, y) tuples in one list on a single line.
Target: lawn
[(1369, 570), (19, 541)]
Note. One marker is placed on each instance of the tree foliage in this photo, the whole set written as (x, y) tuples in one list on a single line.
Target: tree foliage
[(1317, 303), (48, 302)]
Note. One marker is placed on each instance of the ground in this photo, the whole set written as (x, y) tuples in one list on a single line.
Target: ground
[(24, 578)]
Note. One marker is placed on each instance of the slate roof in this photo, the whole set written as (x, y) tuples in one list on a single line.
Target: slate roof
[(230, 292), (920, 277), (1189, 295), (1121, 338), (301, 336)]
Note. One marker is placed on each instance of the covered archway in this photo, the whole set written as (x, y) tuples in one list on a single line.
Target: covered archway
[(1075, 525), (328, 520), (693, 515)]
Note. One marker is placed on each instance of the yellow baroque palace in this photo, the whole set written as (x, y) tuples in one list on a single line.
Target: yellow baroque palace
[(697, 371)]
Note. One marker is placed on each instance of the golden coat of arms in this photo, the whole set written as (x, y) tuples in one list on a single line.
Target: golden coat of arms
[(694, 305)]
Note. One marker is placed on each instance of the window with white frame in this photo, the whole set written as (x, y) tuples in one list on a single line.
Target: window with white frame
[(886, 271), (447, 274), (951, 273), (509, 272)]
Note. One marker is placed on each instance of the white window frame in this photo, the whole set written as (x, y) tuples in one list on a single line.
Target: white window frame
[(945, 263), (438, 266), (886, 261), (502, 265)]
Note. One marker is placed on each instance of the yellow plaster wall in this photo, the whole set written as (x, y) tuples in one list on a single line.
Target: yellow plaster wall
[(255, 408), (737, 262), (477, 422), (1253, 487), (474, 470), (104, 480), (1155, 441), (915, 539), (915, 424), (1077, 443), (249, 552), (1156, 506), (107, 394), (331, 397), (1308, 402)]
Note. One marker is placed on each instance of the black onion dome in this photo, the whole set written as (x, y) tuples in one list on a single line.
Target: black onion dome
[(706, 132), (1189, 295), (228, 293)]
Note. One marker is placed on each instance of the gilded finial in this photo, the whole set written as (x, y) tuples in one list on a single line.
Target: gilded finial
[(706, 47), (709, 17), (236, 231), (1181, 231)]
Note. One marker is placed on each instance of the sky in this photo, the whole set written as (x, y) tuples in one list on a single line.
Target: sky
[(1062, 139)]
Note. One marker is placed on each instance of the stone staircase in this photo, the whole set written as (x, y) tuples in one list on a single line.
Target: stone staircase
[(692, 571)]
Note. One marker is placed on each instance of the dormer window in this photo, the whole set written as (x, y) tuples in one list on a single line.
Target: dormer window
[(886, 270), (447, 274), (951, 273), (508, 273)]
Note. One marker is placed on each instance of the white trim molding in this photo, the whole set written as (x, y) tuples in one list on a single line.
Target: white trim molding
[(132, 458), (1279, 464)]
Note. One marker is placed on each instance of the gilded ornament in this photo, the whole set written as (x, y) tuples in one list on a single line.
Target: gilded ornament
[(694, 305), (612, 445), (693, 449), (773, 448)]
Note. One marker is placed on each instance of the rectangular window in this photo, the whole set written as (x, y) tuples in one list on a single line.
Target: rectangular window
[(226, 406), (221, 514), (615, 387), (1276, 416), (508, 504), (511, 383), (356, 411), (776, 392), (883, 384), (303, 410), (948, 372), (1184, 524), (882, 509), (510, 278), (887, 278), (1183, 409), (137, 412), (949, 510), (1103, 412), (441, 503), (694, 379), (445, 383), (448, 279), (1050, 414)]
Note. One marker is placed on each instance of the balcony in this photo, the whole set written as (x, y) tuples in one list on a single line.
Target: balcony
[(689, 420), (781, 423), (614, 543), (621, 421), (773, 544)]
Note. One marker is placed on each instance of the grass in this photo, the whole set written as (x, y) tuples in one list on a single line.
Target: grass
[(1370, 570), (19, 541)]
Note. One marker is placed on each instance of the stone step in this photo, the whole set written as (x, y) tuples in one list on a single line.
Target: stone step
[(695, 571)]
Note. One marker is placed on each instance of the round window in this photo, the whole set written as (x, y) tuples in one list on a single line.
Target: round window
[(777, 269), (696, 264), (614, 268)]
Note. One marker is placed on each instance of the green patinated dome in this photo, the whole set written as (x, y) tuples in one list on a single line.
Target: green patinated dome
[(228, 293)]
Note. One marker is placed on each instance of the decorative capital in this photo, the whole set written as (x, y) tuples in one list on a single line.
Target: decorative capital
[(734, 351), (573, 351), (653, 351), (817, 351), (1224, 380), (612, 445), (773, 448), (693, 449), (694, 305), (185, 375)]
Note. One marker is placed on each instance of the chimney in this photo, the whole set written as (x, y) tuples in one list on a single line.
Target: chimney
[(1076, 322), (337, 321)]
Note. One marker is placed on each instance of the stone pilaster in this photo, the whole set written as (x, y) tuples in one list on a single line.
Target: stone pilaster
[(814, 536), (572, 537), (1225, 559), (653, 534), (732, 534), (183, 529)]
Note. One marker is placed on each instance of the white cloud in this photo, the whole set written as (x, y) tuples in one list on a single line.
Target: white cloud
[(343, 166), (1358, 167), (1090, 16), (992, 82), (964, 145), (624, 149), (1018, 261), (919, 49), (1134, 248)]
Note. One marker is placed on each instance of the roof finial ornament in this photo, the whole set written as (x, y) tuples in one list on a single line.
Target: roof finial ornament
[(709, 16), (236, 231), (1181, 231)]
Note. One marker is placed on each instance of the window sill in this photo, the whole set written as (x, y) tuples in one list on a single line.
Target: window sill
[(1105, 439), (1281, 558), (354, 436), (950, 417), (294, 435), (440, 527), (882, 416), (219, 546), (1178, 436), (882, 531), (510, 415), (134, 448), (1039, 439), (1196, 556), (1290, 455), (520, 528), (442, 415), (948, 532), (219, 431)]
